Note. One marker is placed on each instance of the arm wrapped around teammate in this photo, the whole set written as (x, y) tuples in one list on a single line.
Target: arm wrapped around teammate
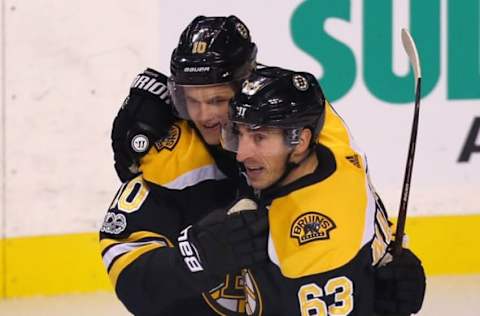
[(145, 117)]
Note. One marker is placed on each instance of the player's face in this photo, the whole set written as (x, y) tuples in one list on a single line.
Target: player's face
[(264, 154), (208, 108)]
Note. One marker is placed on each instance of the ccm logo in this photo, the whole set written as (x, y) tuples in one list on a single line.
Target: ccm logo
[(189, 252)]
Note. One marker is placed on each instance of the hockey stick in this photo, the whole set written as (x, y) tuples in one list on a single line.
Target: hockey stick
[(411, 50)]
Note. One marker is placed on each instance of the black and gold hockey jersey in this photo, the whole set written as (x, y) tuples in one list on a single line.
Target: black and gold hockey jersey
[(328, 230), (183, 180)]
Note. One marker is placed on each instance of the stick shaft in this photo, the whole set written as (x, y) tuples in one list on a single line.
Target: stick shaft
[(402, 213)]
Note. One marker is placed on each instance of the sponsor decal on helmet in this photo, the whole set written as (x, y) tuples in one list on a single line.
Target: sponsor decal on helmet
[(199, 47), (170, 141), (140, 143), (311, 226), (241, 111), (251, 87), (114, 223), (300, 82), (197, 69)]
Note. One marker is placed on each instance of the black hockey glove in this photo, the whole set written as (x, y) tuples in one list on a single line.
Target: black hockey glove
[(145, 117), (400, 285), (224, 241)]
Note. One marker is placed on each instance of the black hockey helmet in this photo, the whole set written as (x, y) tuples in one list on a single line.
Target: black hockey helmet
[(280, 98), (213, 50)]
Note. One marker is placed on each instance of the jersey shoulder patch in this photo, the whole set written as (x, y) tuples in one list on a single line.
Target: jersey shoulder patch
[(311, 226), (170, 141)]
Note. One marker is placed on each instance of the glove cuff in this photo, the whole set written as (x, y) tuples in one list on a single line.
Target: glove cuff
[(189, 264)]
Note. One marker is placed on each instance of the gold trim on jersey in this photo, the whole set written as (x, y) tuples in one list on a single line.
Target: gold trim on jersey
[(118, 254), (185, 164)]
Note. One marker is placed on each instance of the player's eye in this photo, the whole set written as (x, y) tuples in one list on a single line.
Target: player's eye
[(258, 137), (218, 101)]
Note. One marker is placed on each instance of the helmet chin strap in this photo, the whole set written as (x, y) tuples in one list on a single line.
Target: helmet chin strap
[(290, 166)]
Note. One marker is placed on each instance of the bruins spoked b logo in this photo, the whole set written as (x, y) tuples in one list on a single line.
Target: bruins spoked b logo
[(300, 82), (311, 226)]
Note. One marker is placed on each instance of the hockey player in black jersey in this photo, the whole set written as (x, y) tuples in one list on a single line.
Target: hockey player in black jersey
[(176, 174), (162, 252), (328, 229)]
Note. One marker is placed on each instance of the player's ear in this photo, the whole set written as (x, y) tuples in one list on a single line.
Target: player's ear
[(304, 142)]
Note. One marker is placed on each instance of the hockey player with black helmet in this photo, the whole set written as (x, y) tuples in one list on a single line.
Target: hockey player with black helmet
[(328, 229), (213, 56), (207, 68), (167, 243)]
